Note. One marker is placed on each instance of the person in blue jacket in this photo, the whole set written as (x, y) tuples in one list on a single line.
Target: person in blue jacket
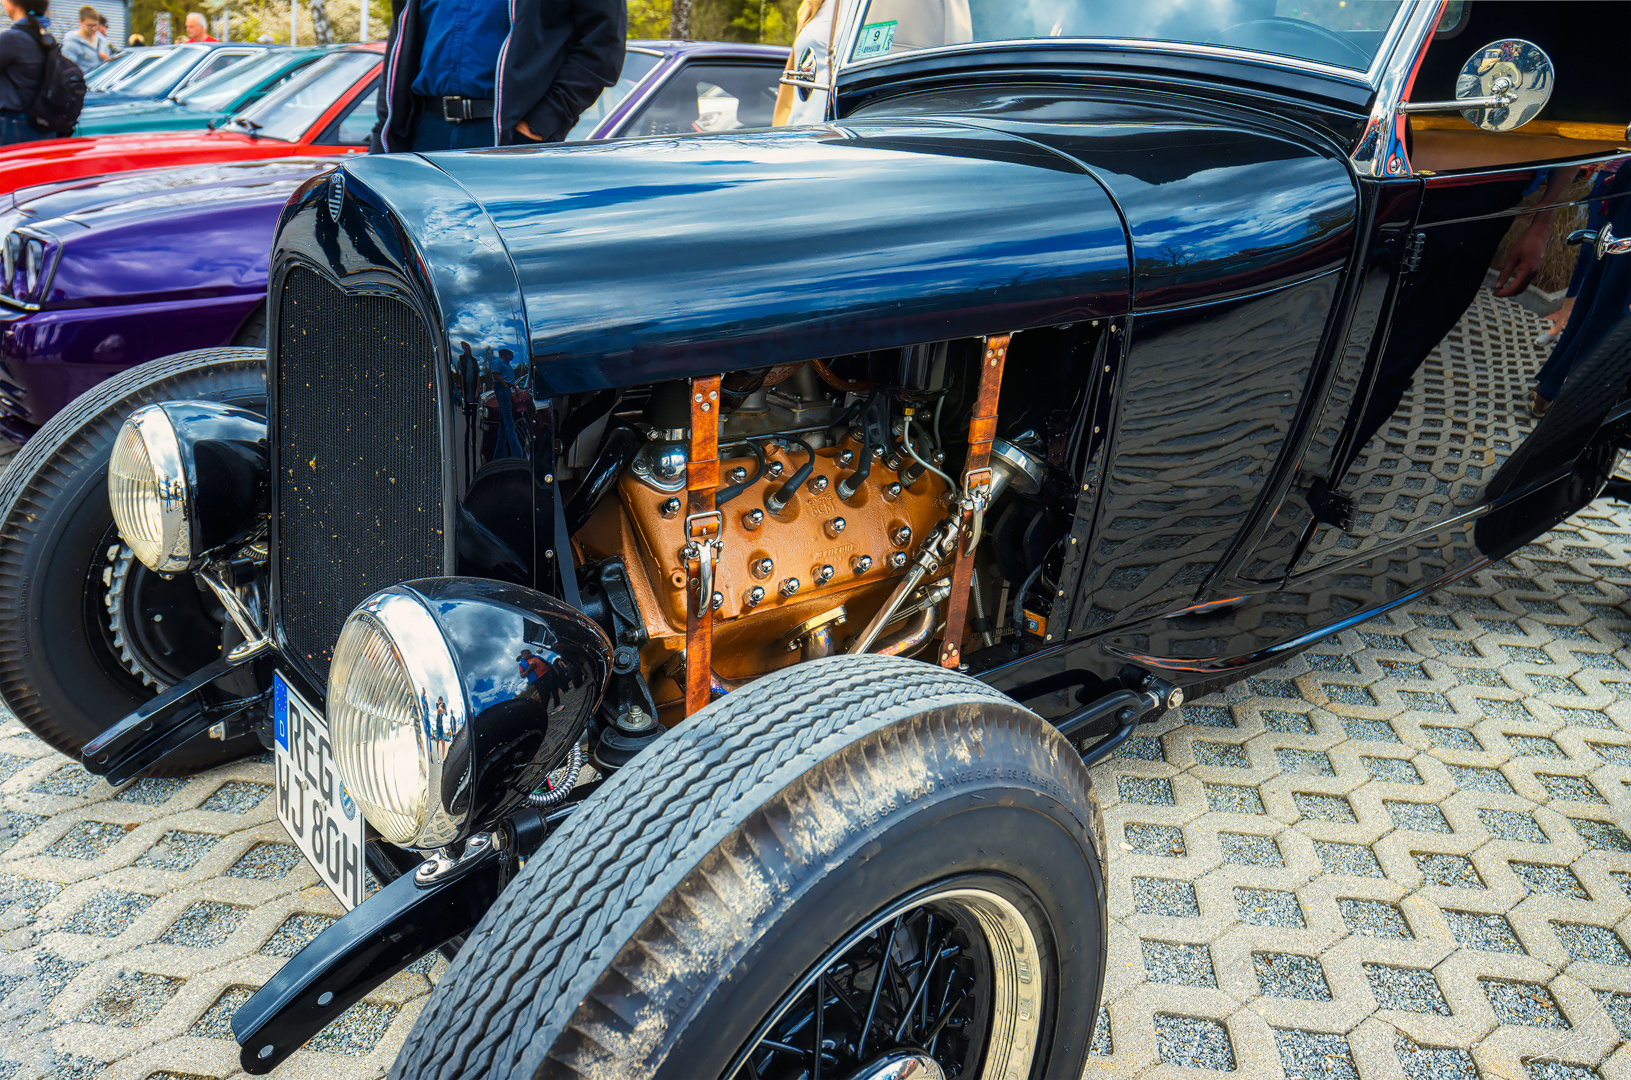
[(461, 74)]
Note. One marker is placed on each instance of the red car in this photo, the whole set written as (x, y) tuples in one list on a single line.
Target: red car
[(327, 108)]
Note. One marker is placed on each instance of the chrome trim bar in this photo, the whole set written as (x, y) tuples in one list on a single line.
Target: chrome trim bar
[(1381, 148), (1402, 26)]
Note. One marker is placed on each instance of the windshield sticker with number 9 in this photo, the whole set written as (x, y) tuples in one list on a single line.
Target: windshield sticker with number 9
[(875, 40)]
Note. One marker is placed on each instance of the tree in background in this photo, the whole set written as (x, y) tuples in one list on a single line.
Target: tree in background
[(319, 23), (325, 21)]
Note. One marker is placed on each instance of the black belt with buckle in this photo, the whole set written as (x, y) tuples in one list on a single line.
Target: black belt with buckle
[(456, 109)]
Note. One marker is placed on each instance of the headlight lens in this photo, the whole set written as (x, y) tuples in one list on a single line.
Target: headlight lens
[(377, 718), (148, 492), (33, 263), (13, 259)]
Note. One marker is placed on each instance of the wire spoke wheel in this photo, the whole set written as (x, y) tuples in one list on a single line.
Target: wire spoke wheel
[(945, 983)]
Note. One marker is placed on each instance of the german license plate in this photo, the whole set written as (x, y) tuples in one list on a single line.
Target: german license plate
[(312, 803)]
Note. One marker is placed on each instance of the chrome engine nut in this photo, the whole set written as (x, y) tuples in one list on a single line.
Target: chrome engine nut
[(753, 519), (861, 563), (834, 527), (790, 586), (824, 574), (763, 568)]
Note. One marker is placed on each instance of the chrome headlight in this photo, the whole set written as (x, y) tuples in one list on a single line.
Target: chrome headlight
[(394, 705), (451, 699), (148, 491), (187, 479)]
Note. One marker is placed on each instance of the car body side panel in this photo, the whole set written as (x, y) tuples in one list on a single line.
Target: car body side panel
[(662, 258)]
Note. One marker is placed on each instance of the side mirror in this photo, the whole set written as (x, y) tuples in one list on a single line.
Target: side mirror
[(1502, 86)]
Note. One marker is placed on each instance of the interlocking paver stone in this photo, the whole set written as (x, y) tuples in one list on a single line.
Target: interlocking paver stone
[(1318, 807), (1452, 738), (1456, 762), (1186, 965), (1406, 989), (134, 997), (1547, 880), (1601, 834), (107, 913), (1434, 1062), (88, 840), (1155, 839), (1229, 755), (203, 924), (1290, 975), (178, 850), (1268, 907), (1354, 859), (1312, 1055), (1149, 790), (1477, 778), (1512, 825), (1193, 1042), (1596, 944), (1307, 762), (1560, 1070), (1569, 788), (1234, 799), (1451, 871), (1160, 896), (1245, 849), (1474, 930), (1419, 817), (236, 797), (1529, 1004)]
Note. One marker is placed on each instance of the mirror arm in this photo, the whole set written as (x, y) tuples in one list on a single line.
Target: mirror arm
[(1499, 101)]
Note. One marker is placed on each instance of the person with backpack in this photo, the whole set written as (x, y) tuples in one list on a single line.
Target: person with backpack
[(41, 91)]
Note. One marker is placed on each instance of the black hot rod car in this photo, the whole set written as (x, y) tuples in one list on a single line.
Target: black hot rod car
[(694, 574)]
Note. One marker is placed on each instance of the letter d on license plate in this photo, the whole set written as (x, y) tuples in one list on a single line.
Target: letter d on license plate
[(312, 803)]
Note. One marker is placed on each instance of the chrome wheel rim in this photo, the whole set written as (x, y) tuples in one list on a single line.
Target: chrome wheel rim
[(948, 982)]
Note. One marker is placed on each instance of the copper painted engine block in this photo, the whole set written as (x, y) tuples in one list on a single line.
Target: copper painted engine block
[(866, 555)]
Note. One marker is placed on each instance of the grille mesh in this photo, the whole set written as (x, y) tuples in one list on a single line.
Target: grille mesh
[(358, 490)]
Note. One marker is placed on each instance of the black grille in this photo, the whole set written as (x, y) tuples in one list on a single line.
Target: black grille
[(359, 484)]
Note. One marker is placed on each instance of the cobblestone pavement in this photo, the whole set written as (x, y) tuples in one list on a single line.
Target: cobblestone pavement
[(1399, 856)]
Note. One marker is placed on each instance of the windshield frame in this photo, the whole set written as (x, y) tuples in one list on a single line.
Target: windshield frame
[(335, 59), (267, 63), (1371, 76), (195, 55)]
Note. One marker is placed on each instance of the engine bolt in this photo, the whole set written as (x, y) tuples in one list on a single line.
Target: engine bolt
[(893, 462), (790, 586), (818, 484), (891, 492), (898, 559), (845, 457), (938, 457), (670, 507), (824, 573), (763, 567), (753, 519), (861, 563), (834, 527), (756, 596), (877, 452), (738, 474), (775, 468), (901, 535), (719, 600)]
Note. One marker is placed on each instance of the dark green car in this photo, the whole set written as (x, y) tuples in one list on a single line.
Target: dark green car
[(203, 104)]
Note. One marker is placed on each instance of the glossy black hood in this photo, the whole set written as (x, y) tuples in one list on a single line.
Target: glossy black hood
[(650, 259)]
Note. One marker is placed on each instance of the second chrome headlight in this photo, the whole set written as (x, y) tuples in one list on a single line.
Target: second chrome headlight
[(148, 491), (394, 703)]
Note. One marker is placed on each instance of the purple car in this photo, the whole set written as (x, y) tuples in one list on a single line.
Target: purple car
[(104, 273)]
